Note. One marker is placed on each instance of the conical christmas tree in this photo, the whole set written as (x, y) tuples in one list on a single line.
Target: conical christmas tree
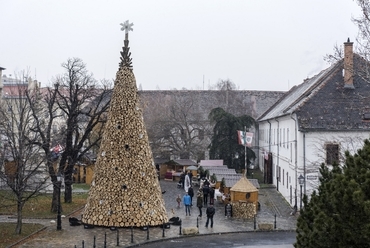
[(125, 190)]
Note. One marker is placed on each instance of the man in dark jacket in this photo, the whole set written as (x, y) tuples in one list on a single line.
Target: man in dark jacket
[(205, 194), (211, 195), (210, 212), (191, 194), (200, 201)]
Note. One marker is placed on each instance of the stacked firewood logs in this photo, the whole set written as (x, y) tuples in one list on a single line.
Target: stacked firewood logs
[(125, 190), (244, 210)]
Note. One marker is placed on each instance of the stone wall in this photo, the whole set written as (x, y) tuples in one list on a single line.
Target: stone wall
[(237, 102)]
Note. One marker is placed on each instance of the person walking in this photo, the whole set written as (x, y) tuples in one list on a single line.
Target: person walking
[(191, 194), (210, 212), (187, 202), (200, 201), (187, 183), (182, 180), (205, 193), (211, 195), (178, 199)]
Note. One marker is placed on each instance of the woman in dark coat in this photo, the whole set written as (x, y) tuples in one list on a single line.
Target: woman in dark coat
[(191, 194), (211, 195), (200, 201)]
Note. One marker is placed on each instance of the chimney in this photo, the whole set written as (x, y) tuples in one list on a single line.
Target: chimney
[(348, 65)]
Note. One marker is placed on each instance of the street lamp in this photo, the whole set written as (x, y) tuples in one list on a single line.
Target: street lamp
[(59, 217), (301, 182), (251, 166)]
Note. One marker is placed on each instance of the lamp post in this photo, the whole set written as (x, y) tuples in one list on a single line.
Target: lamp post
[(236, 158), (251, 166), (59, 218), (301, 182)]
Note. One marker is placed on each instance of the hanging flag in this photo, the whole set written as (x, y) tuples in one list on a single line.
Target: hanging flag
[(57, 149), (245, 138)]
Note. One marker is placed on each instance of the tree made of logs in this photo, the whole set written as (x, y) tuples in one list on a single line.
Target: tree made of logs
[(125, 190)]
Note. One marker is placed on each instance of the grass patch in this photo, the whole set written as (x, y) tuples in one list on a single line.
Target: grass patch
[(8, 236), (82, 186), (40, 206)]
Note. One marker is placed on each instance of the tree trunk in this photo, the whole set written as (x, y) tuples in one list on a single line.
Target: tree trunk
[(68, 188), (18, 229), (55, 201)]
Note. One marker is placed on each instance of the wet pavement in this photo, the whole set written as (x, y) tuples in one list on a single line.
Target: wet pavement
[(274, 211)]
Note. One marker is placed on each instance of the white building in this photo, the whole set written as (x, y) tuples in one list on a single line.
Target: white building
[(314, 123)]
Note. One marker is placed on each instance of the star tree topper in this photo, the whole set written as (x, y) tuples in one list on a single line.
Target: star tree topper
[(126, 26)]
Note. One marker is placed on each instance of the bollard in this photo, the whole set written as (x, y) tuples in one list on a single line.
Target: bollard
[(147, 233), (117, 237), (132, 235), (94, 245), (83, 243), (105, 240), (275, 222), (75, 246), (163, 230), (180, 228), (254, 222)]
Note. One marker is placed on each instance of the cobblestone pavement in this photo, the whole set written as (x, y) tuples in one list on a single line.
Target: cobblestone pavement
[(272, 204)]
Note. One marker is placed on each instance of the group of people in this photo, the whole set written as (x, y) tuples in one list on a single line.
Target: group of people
[(204, 191)]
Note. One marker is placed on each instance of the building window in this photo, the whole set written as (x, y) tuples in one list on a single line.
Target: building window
[(332, 153), (287, 138), (287, 176), (280, 137)]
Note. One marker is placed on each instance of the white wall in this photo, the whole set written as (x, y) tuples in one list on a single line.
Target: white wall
[(289, 163)]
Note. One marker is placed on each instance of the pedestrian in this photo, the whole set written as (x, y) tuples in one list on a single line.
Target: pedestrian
[(190, 176), (186, 201), (182, 179), (210, 212), (200, 201), (178, 199), (211, 195), (205, 193), (187, 182), (191, 194)]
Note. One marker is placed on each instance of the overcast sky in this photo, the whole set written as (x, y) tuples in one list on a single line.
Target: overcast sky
[(257, 44)]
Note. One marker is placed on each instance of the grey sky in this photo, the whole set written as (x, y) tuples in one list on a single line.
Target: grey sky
[(257, 44)]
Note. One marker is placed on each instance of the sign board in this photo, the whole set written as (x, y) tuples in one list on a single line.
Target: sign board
[(312, 177)]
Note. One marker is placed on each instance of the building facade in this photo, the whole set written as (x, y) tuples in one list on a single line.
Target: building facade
[(314, 123)]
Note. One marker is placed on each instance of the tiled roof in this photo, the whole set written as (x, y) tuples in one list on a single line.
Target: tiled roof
[(323, 103)]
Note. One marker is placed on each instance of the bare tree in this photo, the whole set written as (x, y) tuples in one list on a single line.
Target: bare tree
[(231, 100), (350, 142), (84, 104), (176, 126), (22, 163), (362, 42), (46, 115)]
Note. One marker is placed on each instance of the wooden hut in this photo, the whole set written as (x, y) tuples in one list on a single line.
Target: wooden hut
[(244, 198)]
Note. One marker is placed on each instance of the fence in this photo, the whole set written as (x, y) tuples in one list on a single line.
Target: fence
[(125, 237)]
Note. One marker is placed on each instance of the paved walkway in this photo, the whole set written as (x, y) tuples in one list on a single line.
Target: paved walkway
[(272, 204)]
